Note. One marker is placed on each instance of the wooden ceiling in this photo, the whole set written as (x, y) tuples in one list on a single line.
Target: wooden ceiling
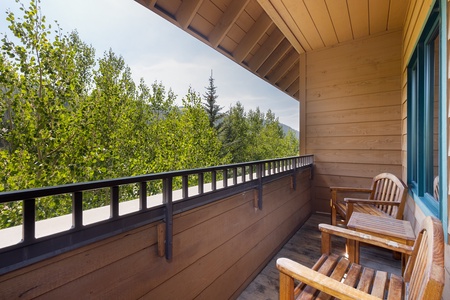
[(268, 36)]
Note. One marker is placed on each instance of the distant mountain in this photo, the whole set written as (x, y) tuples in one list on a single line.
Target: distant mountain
[(286, 129)]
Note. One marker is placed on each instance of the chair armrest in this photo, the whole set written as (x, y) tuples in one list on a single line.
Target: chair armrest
[(365, 238), (368, 201), (319, 281), (350, 189)]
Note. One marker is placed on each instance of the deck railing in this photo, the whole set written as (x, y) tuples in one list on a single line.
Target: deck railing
[(220, 182)]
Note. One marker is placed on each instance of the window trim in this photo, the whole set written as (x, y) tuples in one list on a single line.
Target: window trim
[(420, 88)]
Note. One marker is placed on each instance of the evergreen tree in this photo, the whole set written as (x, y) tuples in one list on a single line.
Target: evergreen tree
[(211, 107), (235, 133)]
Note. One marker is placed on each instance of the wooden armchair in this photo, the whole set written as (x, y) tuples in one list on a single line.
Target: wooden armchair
[(334, 276), (386, 197)]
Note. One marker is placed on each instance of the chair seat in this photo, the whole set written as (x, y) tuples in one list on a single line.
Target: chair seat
[(341, 209), (377, 283)]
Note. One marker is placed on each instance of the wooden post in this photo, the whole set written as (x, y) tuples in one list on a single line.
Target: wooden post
[(286, 287), (255, 198), (161, 234), (326, 243)]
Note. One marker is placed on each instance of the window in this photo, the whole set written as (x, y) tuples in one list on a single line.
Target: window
[(423, 115)]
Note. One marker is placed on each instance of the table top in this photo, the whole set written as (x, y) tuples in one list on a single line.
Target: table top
[(381, 226)]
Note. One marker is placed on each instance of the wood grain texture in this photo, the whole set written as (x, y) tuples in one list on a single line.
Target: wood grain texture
[(354, 112), (305, 248), (217, 249)]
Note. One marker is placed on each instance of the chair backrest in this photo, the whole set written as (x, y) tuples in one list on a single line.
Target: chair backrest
[(425, 269), (436, 188), (388, 187)]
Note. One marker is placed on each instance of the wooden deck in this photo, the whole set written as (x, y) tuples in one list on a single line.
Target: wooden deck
[(304, 247)]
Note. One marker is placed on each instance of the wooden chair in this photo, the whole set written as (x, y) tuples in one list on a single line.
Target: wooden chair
[(436, 188), (334, 276), (387, 197)]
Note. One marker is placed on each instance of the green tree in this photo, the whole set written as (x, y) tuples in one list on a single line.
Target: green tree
[(272, 142), (211, 107), (186, 140), (235, 131), (42, 90), (255, 136), (42, 86)]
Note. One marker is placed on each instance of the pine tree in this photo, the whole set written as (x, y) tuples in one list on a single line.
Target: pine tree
[(211, 107)]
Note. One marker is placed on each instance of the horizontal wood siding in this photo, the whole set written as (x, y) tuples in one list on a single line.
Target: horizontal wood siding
[(217, 250), (353, 116)]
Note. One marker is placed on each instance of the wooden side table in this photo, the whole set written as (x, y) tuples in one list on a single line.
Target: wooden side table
[(396, 230)]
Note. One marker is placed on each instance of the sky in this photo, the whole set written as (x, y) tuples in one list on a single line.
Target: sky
[(157, 50)]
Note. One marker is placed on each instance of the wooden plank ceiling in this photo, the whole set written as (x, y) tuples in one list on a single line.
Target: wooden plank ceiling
[(268, 36)]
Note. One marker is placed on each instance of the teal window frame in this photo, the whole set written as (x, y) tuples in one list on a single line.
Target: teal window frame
[(420, 89)]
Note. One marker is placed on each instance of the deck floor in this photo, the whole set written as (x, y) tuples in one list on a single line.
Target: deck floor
[(304, 247)]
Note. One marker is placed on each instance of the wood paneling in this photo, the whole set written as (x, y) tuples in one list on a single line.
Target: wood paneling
[(186, 12), (252, 37), (217, 249), (358, 156), (387, 113), (376, 128), (381, 99), (359, 17), (378, 15), (415, 21), (321, 18), (353, 118), (341, 19)]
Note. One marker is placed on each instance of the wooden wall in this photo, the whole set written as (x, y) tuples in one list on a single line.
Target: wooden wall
[(417, 15), (217, 250), (353, 112)]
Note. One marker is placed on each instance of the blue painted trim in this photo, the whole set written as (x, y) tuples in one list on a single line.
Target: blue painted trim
[(420, 116), (443, 151), (421, 203)]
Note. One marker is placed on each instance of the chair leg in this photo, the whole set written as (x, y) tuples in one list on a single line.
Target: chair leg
[(333, 215)]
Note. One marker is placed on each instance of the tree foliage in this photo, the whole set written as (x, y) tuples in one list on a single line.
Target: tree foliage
[(255, 136), (69, 116), (211, 107)]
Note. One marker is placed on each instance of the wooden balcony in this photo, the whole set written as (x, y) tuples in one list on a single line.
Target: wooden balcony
[(208, 242), (223, 248)]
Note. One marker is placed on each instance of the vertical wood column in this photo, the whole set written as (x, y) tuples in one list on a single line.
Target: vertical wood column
[(302, 101)]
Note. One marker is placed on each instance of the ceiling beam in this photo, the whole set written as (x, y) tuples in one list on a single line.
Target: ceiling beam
[(283, 67), (227, 20), (266, 49), (293, 89), (147, 3), (290, 77), (281, 24), (252, 37), (274, 58), (187, 11)]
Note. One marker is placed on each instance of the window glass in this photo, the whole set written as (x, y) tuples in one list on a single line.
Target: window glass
[(433, 187)]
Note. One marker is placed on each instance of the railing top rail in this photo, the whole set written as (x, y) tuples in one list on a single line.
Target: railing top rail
[(18, 195)]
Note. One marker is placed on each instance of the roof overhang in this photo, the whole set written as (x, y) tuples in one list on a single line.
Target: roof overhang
[(267, 36)]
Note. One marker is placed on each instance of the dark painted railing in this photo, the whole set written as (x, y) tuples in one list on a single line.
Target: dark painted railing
[(224, 181)]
